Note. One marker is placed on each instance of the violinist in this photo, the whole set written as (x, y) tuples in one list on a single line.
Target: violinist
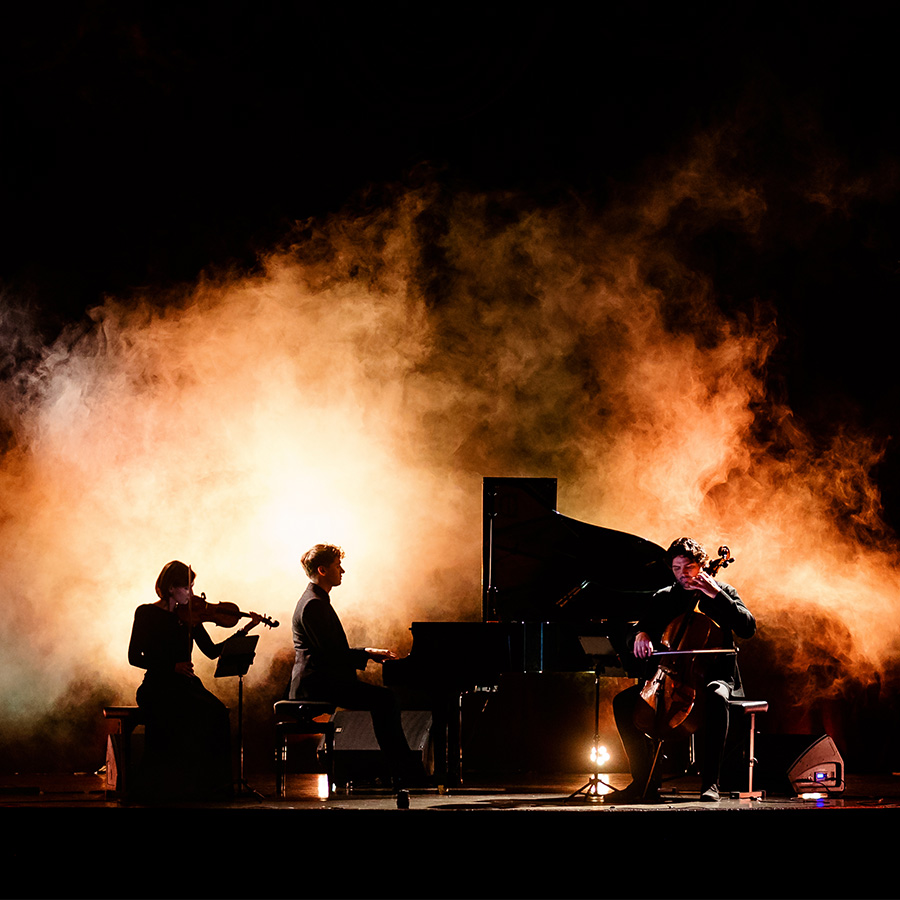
[(693, 589), (325, 666), (188, 733)]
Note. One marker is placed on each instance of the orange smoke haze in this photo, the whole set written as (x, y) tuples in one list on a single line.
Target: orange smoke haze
[(358, 388)]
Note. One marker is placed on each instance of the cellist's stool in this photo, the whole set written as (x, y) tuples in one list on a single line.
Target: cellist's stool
[(751, 708), (299, 717)]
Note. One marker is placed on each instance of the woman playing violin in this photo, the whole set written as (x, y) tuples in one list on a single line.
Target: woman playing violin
[(694, 589), (188, 733)]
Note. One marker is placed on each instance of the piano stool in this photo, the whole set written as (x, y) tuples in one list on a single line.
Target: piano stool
[(119, 749), (749, 708), (300, 717)]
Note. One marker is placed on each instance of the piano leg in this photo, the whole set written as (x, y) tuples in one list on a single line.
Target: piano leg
[(448, 716)]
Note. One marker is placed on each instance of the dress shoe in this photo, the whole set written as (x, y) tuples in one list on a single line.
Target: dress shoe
[(634, 793)]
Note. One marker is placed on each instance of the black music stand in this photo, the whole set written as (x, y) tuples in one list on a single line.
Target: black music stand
[(235, 658), (601, 651)]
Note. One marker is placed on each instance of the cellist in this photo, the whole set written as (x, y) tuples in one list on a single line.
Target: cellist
[(693, 589)]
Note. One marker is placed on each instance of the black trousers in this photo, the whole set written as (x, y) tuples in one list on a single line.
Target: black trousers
[(381, 702), (711, 735)]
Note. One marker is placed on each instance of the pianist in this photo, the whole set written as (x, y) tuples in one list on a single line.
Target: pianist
[(693, 588), (325, 665)]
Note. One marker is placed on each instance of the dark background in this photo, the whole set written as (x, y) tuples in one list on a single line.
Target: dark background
[(143, 144)]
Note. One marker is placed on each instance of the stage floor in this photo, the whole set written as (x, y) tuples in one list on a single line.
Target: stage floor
[(494, 837), (488, 793)]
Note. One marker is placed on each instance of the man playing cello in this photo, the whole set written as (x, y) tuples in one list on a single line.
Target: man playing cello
[(694, 590)]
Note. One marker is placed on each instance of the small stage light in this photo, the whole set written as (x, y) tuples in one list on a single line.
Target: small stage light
[(599, 755), (324, 788)]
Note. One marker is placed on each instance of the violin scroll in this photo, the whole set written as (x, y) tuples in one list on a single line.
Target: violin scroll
[(268, 621)]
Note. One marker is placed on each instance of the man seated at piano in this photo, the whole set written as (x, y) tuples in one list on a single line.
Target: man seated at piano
[(325, 665), (714, 674)]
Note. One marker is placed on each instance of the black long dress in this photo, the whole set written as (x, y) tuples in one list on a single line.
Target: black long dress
[(187, 752)]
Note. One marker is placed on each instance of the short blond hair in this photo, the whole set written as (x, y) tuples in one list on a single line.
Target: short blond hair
[(320, 555)]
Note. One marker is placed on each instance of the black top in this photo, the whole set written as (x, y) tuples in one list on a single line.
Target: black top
[(726, 609), (322, 653), (159, 640)]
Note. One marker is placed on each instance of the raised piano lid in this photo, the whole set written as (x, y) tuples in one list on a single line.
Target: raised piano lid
[(549, 567)]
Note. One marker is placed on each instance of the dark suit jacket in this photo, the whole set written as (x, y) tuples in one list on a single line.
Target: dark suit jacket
[(322, 655)]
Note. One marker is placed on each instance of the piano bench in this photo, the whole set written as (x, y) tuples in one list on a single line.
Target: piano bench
[(300, 717), (119, 752), (750, 708)]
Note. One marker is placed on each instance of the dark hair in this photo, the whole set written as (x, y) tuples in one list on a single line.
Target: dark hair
[(688, 547), (174, 574), (320, 555)]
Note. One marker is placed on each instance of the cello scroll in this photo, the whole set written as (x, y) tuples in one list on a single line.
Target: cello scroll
[(723, 561)]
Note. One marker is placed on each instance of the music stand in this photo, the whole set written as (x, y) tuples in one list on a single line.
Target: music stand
[(600, 649), (235, 658)]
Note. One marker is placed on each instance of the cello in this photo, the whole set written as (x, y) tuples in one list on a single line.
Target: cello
[(671, 701)]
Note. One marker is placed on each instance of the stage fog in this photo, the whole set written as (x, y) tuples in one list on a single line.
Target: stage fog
[(358, 386)]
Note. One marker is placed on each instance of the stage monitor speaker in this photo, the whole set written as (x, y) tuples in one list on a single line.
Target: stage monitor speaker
[(818, 768), (357, 756), (793, 764)]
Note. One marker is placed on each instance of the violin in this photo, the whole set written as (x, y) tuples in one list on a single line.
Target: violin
[(672, 698), (225, 614)]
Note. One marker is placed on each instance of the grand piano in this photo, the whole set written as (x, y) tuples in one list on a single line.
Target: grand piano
[(548, 583)]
